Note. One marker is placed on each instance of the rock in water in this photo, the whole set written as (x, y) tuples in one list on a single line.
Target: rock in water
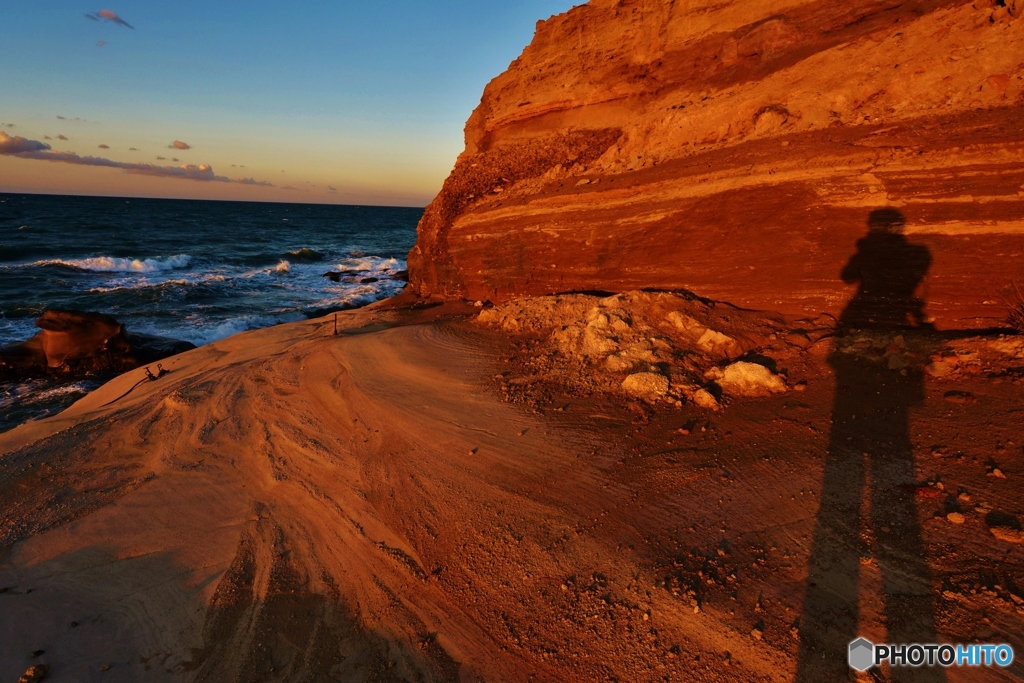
[(75, 342), (740, 147)]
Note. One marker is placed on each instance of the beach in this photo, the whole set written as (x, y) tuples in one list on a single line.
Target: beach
[(287, 504)]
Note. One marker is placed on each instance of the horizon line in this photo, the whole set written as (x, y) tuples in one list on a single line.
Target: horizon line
[(205, 199)]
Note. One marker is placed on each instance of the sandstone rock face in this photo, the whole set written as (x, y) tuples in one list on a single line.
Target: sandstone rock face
[(737, 148)]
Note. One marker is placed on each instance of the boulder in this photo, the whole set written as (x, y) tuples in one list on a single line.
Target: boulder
[(78, 343), (743, 379), (646, 384)]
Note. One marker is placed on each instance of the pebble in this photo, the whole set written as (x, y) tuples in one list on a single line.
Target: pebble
[(36, 672), (956, 518)]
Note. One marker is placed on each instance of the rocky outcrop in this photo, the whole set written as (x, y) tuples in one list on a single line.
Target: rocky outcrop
[(737, 149), (77, 343)]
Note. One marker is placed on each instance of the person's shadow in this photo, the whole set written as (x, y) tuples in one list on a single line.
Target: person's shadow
[(876, 384)]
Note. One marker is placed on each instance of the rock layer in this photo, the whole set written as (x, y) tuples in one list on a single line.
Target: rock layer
[(737, 149)]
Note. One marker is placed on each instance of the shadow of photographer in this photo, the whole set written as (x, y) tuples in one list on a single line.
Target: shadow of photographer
[(869, 446)]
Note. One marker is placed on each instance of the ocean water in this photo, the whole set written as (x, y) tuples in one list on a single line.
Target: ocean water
[(193, 270)]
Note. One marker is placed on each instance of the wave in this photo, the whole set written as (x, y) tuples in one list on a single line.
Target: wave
[(113, 264), (305, 255), (42, 390), (371, 264), (207, 335), (282, 268)]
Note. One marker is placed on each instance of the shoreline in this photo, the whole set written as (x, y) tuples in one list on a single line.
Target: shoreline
[(287, 502)]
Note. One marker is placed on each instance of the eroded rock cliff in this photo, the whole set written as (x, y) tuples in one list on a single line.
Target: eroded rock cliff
[(737, 148)]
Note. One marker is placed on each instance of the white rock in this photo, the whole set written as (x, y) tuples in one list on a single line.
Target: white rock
[(646, 384), (714, 342), (702, 398), (489, 316), (747, 379), (685, 324)]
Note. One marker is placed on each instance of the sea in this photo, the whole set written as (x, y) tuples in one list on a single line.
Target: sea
[(193, 270)]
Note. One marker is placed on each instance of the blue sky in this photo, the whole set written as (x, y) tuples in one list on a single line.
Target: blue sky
[(365, 98)]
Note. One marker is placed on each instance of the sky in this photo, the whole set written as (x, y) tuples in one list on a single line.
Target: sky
[(333, 101)]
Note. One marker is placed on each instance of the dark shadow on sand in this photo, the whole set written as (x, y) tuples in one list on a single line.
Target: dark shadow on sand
[(870, 446)]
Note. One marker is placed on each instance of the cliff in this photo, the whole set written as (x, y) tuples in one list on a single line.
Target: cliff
[(737, 149)]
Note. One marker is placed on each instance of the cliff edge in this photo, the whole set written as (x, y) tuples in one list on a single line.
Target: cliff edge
[(737, 149)]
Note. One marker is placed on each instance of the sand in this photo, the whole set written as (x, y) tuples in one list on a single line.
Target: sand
[(290, 505)]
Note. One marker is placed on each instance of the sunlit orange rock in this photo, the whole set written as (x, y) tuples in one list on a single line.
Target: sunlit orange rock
[(736, 148)]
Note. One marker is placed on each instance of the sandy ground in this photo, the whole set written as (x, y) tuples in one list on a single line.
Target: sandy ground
[(290, 505)]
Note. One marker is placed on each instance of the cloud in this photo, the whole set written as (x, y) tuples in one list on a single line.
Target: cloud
[(20, 145), (101, 43), (107, 15), (161, 158), (7, 125), (178, 144), (61, 137), (23, 148), (61, 117), (175, 159), (133, 149), (47, 137), (104, 146), (332, 189), (289, 187)]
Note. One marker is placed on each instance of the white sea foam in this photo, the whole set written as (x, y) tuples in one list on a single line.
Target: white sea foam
[(35, 391), (113, 264), (210, 334), (371, 264), (283, 267)]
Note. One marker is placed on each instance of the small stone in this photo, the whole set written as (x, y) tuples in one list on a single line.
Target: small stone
[(1008, 534), (473, 451), (646, 384), (956, 518), (960, 397), (896, 362), (938, 369), (36, 672), (702, 398), (757, 634), (747, 379), (997, 473), (105, 667)]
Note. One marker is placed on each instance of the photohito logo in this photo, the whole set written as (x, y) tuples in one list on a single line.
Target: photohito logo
[(864, 654)]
